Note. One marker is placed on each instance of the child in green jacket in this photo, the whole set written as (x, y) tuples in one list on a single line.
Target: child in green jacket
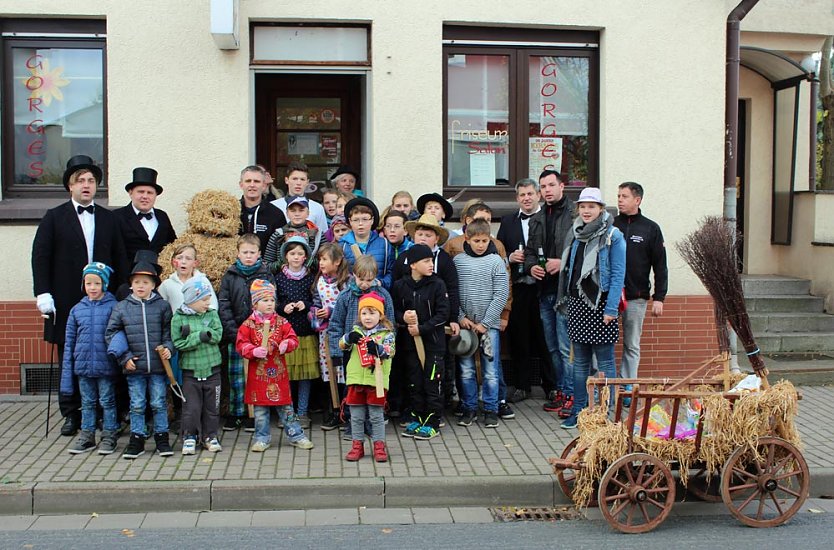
[(196, 331)]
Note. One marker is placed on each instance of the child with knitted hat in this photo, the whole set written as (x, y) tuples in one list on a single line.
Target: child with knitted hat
[(372, 341), (85, 357), (196, 331), (263, 339)]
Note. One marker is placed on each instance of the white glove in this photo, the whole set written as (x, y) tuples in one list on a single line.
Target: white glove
[(46, 304)]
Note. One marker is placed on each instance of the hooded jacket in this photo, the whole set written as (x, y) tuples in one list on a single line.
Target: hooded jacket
[(265, 219), (428, 297), (235, 299), (146, 324), (85, 353), (445, 269), (645, 251)]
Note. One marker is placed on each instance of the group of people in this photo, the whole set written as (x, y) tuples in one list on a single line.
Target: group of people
[(393, 311)]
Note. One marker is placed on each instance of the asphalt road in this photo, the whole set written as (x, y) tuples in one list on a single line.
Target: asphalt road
[(805, 531)]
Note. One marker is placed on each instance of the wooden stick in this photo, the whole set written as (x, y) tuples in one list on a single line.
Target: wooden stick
[(250, 409), (421, 350), (166, 364), (331, 373), (378, 380)]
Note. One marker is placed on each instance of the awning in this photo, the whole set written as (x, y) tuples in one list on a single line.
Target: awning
[(780, 70)]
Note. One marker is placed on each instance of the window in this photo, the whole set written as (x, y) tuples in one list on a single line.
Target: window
[(54, 102), (516, 103)]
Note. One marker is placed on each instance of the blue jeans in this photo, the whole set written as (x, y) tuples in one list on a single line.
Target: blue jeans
[(555, 326), (303, 397), (93, 391), (490, 375), (582, 353), (137, 387), (263, 432), (632, 329)]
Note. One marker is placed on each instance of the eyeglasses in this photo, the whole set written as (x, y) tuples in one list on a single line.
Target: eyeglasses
[(361, 220)]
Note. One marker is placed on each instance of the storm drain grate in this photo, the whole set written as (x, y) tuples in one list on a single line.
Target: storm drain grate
[(511, 513)]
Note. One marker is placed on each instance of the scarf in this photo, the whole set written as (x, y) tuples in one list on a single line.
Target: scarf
[(593, 235), (259, 318), (247, 270), (294, 275)]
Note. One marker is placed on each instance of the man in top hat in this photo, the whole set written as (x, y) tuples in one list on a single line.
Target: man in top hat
[(69, 237), (142, 226)]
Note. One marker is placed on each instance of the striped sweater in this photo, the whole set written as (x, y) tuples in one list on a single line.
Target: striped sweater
[(484, 288)]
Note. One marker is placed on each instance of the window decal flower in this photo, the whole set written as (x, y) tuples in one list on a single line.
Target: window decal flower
[(45, 84)]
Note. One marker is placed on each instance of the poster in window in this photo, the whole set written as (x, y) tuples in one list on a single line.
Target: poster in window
[(482, 169), (545, 154), (303, 144)]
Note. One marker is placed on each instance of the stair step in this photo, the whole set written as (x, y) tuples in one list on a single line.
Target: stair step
[(767, 285), (795, 342), (806, 369), (764, 323), (785, 304)]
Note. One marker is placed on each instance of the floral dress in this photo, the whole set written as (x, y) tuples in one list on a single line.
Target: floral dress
[(327, 291)]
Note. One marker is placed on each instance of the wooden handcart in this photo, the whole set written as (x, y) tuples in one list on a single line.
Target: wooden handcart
[(763, 481)]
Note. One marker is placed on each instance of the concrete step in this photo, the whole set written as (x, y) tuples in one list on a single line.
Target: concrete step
[(801, 342), (806, 369), (764, 323), (785, 304), (767, 285)]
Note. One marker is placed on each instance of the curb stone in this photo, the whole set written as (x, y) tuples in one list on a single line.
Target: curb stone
[(16, 498), (121, 497), (293, 494)]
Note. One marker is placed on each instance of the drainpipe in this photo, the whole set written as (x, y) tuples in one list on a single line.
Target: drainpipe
[(731, 128)]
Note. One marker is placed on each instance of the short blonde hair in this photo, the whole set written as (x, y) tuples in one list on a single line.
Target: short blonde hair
[(365, 267)]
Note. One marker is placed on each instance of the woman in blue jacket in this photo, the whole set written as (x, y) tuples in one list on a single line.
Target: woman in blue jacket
[(590, 285)]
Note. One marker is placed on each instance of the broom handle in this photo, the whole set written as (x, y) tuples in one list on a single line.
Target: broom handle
[(378, 381), (331, 373)]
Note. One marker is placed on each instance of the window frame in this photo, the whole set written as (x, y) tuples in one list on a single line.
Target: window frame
[(520, 45), (28, 33)]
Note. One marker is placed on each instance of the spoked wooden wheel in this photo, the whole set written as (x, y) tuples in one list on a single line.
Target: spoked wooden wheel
[(636, 493), (698, 485), (567, 477), (768, 490)]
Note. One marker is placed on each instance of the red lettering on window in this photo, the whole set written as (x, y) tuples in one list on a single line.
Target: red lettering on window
[(549, 89), (30, 83), (34, 104), (36, 169), (548, 110), (549, 130), (36, 147), (30, 63), (549, 69), (550, 151), (35, 127)]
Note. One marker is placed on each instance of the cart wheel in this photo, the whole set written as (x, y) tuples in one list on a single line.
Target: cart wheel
[(636, 493), (567, 477), (697, 484), (768, 490)]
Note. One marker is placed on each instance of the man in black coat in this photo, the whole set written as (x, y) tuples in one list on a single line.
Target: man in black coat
[(142, 226), (69, 237), (257, 215)]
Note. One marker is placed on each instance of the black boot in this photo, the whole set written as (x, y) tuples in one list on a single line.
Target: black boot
[(163, 446), (72, 422), (135, 447)]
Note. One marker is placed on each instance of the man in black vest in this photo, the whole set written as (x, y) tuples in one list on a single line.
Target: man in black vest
[(69, 237), (144, 227), (257, 215), (524, 327)]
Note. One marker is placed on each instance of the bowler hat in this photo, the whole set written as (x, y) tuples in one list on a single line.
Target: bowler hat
[(81, 162), (146, 268), (362, 201), (464, 344), (434, 197), (427, 220), (144, 176), (345, 169)]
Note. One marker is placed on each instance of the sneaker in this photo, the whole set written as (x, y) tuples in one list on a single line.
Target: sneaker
[(411, 429), (569, 423), (555, 401), (505, 411), (442, 422), (517, 396), (212, 445), (135, 447), (189, 446), (425, 433), (163, 446), (332, 422), (303, 443), (467, 418), (232, 423), (490, 420), (567, 408), (86, 441), (460, 410), (108, 443), (304, 420), (71, 425), (249, 424), (380, 453), (259, 446), (356, 451)]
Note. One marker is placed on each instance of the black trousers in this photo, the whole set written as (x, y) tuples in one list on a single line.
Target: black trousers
[(424, 386), (202, 403), (526, 336)]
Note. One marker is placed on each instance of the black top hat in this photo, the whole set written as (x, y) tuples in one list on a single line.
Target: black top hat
[(362, 201), (147, 257), (146, 268), (81, 162), (434, 197), (345, 169), (144, 176)]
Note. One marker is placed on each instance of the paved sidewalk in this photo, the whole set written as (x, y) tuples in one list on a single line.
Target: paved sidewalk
[(472, 466)]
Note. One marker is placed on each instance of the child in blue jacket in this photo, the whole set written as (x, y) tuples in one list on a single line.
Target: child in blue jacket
[(85, 357)]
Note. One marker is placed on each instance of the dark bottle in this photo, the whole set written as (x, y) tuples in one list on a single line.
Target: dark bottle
[(542, 259)]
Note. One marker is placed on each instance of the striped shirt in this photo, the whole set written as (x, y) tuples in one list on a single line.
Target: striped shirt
[(484, 288)]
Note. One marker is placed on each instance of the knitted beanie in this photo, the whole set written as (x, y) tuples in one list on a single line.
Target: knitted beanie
[(102, 271), (195, 289), (261, 289), (374, 300)]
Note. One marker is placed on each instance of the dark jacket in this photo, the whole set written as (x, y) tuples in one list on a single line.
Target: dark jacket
[(292, 290), (147, 324), (235, 298), (136, 238), (445, 269), (511, 235), (59, 254), (548, 230), (264, 220), (85, 352), (428, 297), (645, 251)]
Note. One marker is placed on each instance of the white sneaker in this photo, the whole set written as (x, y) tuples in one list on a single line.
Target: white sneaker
[(189, 446), (304, 443), (212, 445), (259, 446)]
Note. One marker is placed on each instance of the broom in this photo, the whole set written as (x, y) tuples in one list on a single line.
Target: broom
[(711, 252)]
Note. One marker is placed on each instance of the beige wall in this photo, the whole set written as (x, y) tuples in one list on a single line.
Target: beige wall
[(181, 105)]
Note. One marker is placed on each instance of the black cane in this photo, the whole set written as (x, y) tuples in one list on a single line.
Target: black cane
[(51, 368)]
